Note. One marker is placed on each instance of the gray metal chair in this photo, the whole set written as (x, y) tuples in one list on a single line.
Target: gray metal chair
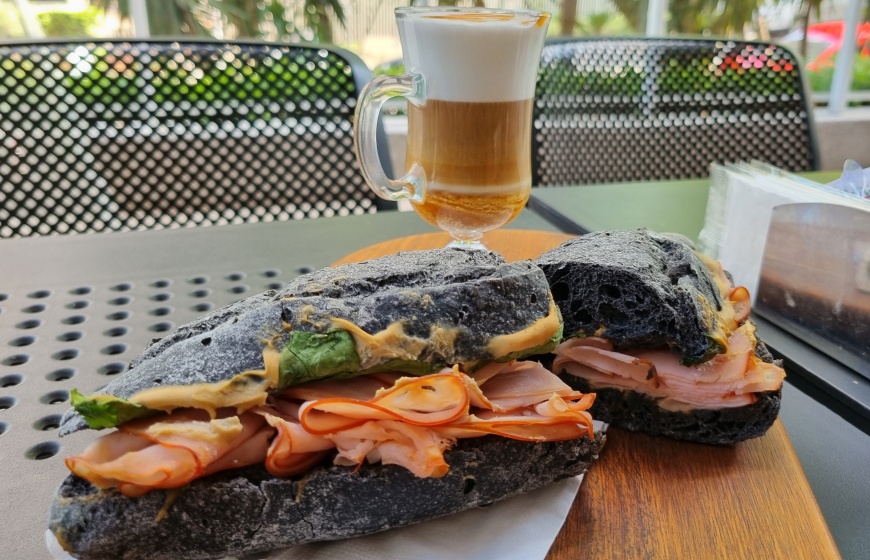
[(128, 135), (612, 110)]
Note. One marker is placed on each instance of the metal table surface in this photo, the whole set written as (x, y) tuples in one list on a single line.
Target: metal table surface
[(74, 310), (585, 208), (677, 206)]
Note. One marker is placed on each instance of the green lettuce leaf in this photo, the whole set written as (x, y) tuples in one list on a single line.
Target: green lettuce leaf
[(410, 367), (311, 356), (106, 411)]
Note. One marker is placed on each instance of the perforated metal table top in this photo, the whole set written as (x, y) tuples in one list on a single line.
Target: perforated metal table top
[(74, 310)]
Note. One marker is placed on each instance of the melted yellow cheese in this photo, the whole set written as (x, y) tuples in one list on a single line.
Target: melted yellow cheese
[(716, 328), (171, 496), (249, 389), (305, 313), (218, 431), (720, 322), (390, 343), (535, 334), (716, 272), (441, 340), (394, 343), (242, 392), (58, 533)]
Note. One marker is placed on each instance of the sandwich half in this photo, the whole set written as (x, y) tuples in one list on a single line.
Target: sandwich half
[(359, 398), (662, 337)]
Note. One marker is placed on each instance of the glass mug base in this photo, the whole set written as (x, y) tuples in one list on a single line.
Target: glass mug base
[(468, 245)]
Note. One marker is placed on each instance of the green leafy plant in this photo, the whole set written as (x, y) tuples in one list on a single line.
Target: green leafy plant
[(69, 24), (694, 17), (96, 79), (266, 19), (820, 79), (605, 24)]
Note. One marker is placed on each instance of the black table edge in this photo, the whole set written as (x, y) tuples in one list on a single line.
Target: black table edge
[(818, 375), (556, 218)]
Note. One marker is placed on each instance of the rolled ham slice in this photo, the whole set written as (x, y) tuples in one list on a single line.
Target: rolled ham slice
[(424, 401), (293, 450), (167, 452), (728, 380), (382, 418), (391, 442)]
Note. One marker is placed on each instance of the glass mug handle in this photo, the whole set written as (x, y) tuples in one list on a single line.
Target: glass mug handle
[(377, 92)]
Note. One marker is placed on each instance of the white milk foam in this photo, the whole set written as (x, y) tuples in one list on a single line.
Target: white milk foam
[(473, 60)]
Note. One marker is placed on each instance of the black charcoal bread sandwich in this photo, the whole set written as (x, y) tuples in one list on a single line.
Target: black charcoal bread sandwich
[(359, 398), (662, 337)]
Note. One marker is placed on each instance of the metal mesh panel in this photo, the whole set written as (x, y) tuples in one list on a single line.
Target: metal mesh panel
[(135, 135), (610, 110)]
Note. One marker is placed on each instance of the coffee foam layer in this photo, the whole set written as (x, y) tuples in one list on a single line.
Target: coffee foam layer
[(476, 59)]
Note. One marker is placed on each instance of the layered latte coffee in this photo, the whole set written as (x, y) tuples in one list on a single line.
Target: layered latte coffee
[(471, 131)]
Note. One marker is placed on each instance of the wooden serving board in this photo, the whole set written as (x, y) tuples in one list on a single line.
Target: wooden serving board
[(653, 497)]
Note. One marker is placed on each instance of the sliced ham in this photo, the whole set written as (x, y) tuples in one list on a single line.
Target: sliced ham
[(728, 380), (489, 371), (382, 418), (111, 458), (739, 299), (522, 384), (164, 453), (251, 452), (418, 449), (522, 427), (293, 450), (476, 398), (632, 368), (424, 401), (594, 341), (360, 388)]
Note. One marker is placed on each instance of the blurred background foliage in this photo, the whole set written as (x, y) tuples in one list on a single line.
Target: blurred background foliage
[(274, 20), (315, 20), (328, 21), (70, 24)]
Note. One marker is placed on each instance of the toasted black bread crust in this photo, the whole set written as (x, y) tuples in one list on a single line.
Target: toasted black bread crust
[(475, 295), (634, 288), (248, 511), (639, 413), (421, 287)]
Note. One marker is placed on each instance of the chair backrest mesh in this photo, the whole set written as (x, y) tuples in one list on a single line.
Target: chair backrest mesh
[(611, 110), (123, 135)]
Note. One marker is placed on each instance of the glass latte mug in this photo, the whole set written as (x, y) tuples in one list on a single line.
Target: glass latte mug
[(470, 86)]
